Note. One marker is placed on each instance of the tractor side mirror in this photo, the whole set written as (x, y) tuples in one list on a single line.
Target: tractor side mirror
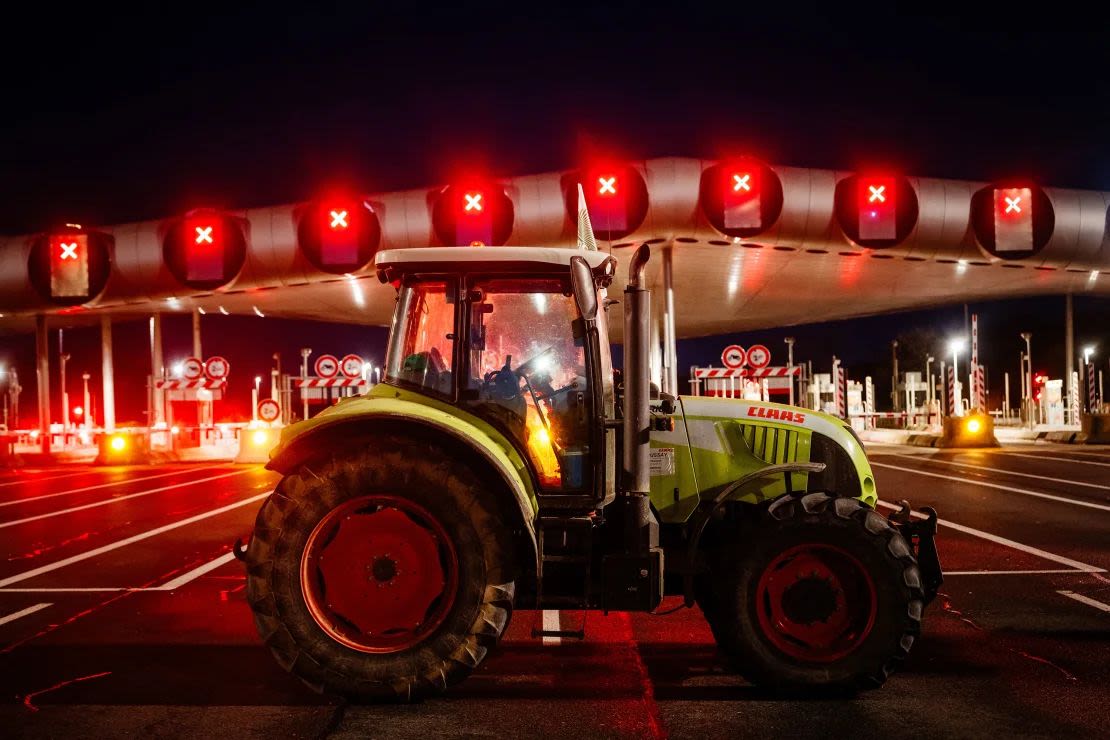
[(585, 292)]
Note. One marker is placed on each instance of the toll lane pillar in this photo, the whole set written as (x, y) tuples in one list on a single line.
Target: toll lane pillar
[(157, 371), (107, 373), (42, 357)]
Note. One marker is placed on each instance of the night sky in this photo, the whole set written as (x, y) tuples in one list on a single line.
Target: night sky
[(119, 115)]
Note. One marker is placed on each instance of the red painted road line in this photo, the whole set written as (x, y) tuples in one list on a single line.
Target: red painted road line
[(28, 699), (109, 484), (92, 609), (117, 499)]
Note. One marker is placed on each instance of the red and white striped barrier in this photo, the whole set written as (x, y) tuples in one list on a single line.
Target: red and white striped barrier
[(980, 388), (182, 384), (330, 383), (841, 381), (747, 372)]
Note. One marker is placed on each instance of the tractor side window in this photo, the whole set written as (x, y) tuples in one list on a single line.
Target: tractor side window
[(421, 348), (528, 370)]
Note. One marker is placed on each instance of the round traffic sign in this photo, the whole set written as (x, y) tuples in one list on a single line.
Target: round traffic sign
[(216, 367), (759, 356), (327, 366), (351, 366), (734, 356), (269, 410), (192, 368)]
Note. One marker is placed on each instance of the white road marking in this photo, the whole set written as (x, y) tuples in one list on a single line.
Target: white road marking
[(128, 541), (1007, 472), (93, 590), (1053, 571), (1082, 567), (22, 613), (173, 585), (1086, 600), (30, 478), (195, 573), (551, 623), (1061, 459), (123, 482), (117, 499), (999, 486)]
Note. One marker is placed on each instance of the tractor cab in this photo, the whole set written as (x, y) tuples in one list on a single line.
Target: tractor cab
[(499, 333)]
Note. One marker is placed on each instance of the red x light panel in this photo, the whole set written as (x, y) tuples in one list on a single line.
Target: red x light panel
[(616, 197), (477, 214), (741, 198), (70, 267), (1012, 221), (338, 234), (876, 211), (204, 249), (878, 200)]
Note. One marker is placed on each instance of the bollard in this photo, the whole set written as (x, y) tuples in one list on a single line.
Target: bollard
[(972, 430)]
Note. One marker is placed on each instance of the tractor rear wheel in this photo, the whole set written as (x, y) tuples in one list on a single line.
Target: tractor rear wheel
[(380, 574), (823, 594)]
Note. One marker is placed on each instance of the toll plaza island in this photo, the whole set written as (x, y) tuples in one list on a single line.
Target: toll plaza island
[(674, 539)]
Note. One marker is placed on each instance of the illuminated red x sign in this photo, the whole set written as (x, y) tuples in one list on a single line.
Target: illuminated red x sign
[(473, 201), (204, 234), (339, 219), (1012, 204), (742, 182), (876, 194), (608, 185), (69, 251)]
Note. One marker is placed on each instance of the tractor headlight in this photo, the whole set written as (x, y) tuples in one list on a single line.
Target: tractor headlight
[(118, 442), (973, 425)]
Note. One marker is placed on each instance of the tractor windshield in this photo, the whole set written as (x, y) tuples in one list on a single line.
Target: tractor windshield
[(528, 370)]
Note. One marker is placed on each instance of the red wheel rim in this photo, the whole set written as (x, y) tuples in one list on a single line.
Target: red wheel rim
[(816, 603), (379, 573)]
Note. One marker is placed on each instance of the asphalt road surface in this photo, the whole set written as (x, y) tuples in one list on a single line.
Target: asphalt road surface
[(122, 612)]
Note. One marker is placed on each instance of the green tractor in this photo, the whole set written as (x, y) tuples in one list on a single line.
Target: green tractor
[(502, 464)]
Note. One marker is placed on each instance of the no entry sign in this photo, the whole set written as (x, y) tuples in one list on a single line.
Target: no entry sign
[(759, 356), (327, 366), (733, 356), (269, 410), (351, 366)]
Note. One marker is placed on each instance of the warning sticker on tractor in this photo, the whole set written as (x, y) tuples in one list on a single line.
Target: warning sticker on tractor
[(662, 461)]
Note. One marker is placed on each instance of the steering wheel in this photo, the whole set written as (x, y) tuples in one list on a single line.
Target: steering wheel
[(502, 384)]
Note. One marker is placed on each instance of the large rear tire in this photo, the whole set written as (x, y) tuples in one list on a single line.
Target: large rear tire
[(820, 594), (382, 574)]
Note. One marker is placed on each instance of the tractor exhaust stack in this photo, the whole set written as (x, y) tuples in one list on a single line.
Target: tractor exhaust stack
[(637, 389)]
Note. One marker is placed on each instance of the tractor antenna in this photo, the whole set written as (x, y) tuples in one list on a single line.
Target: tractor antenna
[(585, 228)]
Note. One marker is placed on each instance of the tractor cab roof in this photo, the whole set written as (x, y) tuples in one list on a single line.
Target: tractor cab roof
[(393, 264)]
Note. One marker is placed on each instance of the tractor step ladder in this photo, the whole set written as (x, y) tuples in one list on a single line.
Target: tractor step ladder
[(564, 541)]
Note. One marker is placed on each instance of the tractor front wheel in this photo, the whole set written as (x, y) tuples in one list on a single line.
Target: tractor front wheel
[(821, 594), (380, 574)]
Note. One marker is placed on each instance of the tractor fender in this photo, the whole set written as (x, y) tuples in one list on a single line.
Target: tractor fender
[(469, 435)]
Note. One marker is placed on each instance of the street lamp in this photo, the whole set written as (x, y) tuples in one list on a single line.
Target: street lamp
[(1087, 352), (254, 397), (1027, 379), (929, 382)]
